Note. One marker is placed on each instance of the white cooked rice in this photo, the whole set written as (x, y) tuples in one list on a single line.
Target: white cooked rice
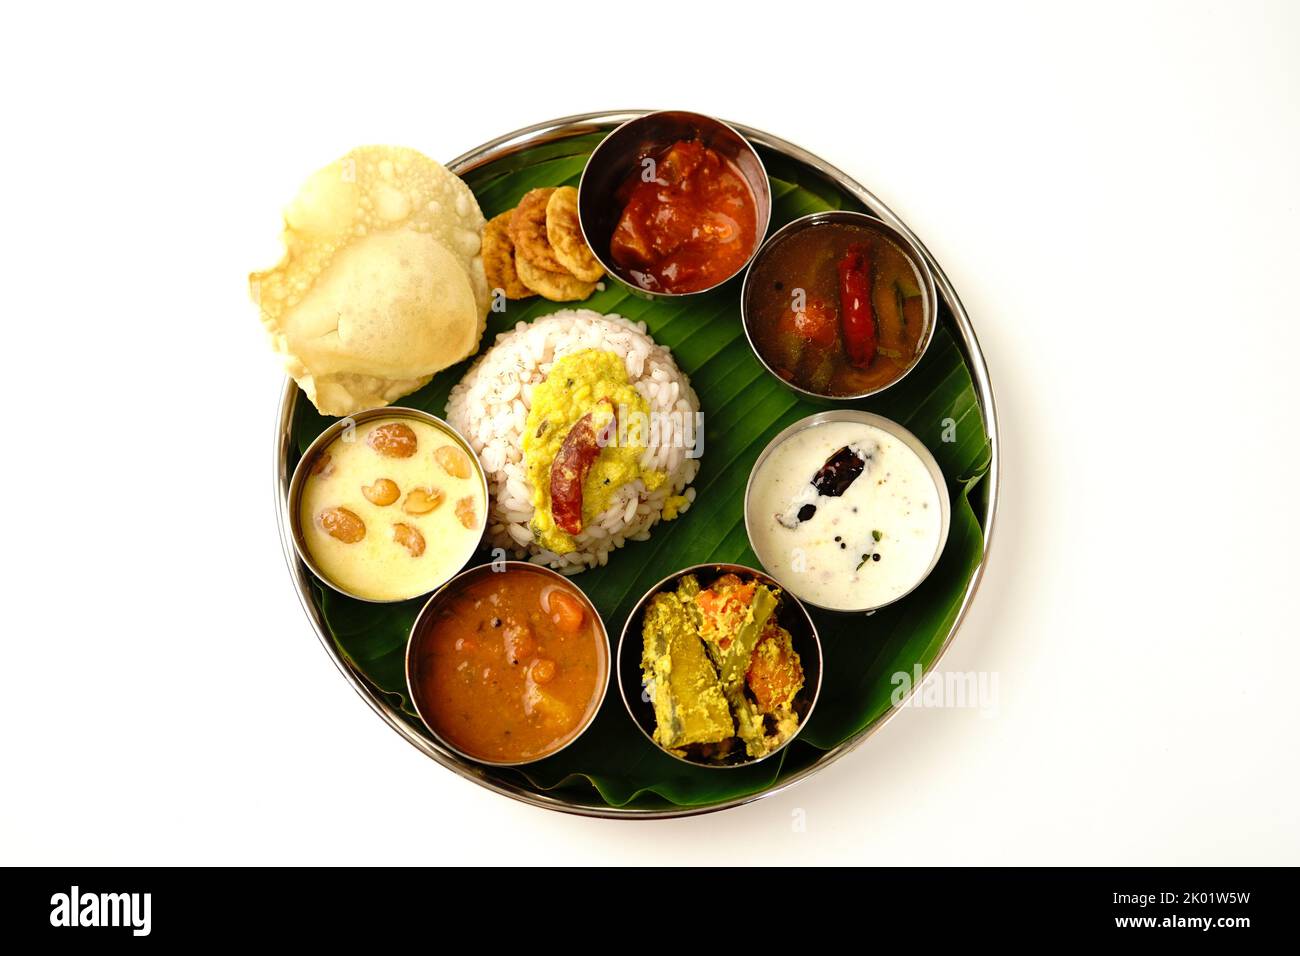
[(490, 405)]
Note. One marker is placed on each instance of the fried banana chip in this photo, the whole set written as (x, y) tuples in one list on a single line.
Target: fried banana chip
[(556, 286), (565, 236), (528, 231), (499, 258)]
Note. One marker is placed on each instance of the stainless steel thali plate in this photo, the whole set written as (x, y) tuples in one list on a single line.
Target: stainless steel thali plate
[(501, 150)]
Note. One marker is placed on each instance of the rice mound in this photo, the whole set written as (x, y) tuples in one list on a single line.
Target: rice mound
[(490, 405)]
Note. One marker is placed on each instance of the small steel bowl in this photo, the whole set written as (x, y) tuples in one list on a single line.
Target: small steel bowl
[(466, 577), (619, 156), (884, 424), (323, 441), (792, 615), (909, 249)]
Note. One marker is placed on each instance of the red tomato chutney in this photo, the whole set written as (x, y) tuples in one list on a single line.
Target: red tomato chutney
[(510, 667), (689, 220)]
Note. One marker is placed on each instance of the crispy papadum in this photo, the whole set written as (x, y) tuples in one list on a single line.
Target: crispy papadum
[(565, 236), (382, 281)]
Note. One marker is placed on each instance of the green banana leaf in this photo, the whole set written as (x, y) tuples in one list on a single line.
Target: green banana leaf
[(744, 407)]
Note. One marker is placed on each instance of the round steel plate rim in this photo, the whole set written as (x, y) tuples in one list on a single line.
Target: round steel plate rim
[(564, 128)]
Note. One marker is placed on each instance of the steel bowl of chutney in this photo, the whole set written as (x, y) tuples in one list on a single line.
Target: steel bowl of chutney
[(839, 305), (507, 663), (674, 203)]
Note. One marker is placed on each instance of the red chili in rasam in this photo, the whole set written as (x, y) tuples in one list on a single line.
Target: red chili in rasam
[(864, 322), (856, 318)]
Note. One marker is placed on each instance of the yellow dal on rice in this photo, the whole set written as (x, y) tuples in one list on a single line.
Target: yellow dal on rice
[(573, 387)]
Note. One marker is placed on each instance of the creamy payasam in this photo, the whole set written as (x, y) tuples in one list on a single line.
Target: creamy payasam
[(846, 515), (391, 509)]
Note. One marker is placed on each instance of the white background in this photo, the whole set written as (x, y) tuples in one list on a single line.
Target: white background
[(1113, 191)]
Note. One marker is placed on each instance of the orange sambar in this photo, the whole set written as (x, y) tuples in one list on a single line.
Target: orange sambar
[(510, 666)]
